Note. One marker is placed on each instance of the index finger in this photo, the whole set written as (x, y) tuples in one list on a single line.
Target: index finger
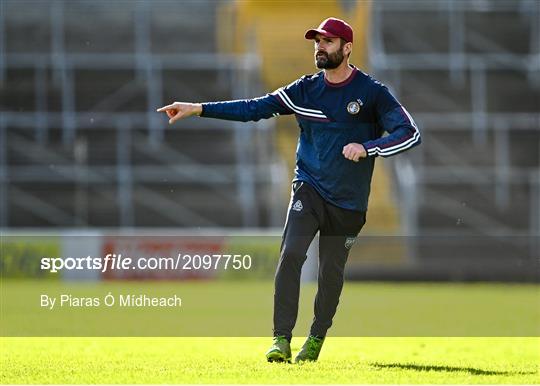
[(164, 108)]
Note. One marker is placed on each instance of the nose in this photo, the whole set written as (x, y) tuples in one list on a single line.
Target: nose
[(321, 45)]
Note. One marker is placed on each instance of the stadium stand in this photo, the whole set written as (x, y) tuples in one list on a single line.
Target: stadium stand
[(83, 145), (469, 72), (474, 89)]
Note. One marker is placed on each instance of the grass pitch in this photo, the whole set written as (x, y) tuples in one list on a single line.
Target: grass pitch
[(244, 308), (228, 309), (241, 360)]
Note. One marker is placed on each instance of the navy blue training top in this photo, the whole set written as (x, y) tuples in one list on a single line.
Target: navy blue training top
[(330, 116)]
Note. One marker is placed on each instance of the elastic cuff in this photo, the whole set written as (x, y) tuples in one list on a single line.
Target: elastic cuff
[(369, 151)]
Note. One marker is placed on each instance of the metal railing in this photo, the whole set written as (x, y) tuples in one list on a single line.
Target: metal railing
[(240, 71), (477, 122)]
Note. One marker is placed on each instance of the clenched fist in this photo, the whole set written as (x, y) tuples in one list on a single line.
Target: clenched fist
[(179, 110), (354, 151)]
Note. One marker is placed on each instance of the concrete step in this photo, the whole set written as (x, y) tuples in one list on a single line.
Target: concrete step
[(405, 32), (512, 92), (98, 205), (18, 92), (188, 147), (465, 206), (454, 148), (111, 90), (434, 91), (497, 32), (110, 26)]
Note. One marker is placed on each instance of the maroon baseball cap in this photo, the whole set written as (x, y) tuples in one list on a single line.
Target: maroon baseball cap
[(332, 28)]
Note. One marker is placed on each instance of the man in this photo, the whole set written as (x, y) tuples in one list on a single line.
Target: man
[(342, 114)]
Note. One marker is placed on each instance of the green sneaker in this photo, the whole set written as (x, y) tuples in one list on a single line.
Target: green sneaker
[(280, 350), (310, 350)]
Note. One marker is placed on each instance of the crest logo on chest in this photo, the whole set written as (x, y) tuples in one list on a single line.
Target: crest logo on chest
[(354, 106)]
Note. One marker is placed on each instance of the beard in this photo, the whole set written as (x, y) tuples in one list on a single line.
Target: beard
[(324, 60)]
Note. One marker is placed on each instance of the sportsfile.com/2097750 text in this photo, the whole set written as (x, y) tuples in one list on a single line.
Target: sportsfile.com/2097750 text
[(182, 262)]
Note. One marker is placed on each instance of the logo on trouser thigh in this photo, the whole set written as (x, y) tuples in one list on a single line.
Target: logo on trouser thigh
[(349, 242), (298, 206)]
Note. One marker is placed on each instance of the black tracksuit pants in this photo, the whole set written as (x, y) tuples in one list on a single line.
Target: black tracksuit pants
[(308, 213)]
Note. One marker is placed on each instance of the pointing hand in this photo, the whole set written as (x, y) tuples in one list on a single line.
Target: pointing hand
[(179, 110)]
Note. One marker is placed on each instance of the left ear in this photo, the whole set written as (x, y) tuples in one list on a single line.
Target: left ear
[(347, 48)]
